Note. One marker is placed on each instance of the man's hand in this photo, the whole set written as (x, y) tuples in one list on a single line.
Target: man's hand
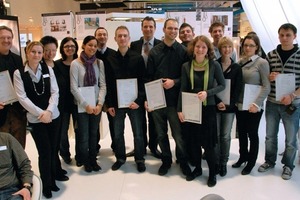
[(273, 76), (25, 193), (168, 83), (221, 106), (133, 106), (146, 107), (180, 116), (112, 111)]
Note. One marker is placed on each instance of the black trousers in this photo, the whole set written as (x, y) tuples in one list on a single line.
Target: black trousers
[(248, 124), (45, 137)]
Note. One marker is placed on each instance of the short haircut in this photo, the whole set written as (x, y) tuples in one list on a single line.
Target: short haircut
[(149, 19), (225, 41), (288, 26), (216, 24), (183, 25), (170, 19), (49, 40), (100, 27), (7, 29), (121, 28)]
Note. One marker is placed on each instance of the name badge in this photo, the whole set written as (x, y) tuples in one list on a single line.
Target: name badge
[(3, 148), (46, 76)]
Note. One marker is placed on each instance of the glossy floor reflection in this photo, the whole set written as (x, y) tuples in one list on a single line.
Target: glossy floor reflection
[(128, 184)]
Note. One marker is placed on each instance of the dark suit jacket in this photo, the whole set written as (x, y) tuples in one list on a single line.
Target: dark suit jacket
[(137, 45)]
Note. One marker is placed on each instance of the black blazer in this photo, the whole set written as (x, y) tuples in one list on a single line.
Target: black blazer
[(137, 45)]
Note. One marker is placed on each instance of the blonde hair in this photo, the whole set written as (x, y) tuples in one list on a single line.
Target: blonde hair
[(224, 41)]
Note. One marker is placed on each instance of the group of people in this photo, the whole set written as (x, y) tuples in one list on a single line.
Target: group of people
[(50, 92)]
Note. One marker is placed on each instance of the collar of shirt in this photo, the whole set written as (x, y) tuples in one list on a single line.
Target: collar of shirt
[(102, 51), (35, 77), (151, 42)]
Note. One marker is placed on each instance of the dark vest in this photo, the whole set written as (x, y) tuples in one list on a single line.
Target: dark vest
[(34, 91)]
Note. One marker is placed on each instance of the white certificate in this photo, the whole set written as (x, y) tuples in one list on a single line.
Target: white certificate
[(224, 95), (284, 84), (127, 91), (155, 94), (251, 92), (88, 94), (191, 107), (7, 92)]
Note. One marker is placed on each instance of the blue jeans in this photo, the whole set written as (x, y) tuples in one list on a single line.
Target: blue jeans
[(224, 126), (87, 138), (160, 118), (6, 194), (135, 117), (275, 112)]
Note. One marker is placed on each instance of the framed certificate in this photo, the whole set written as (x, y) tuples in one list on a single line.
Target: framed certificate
[(155, 94), (191, 107), (127, 92), (89, 96), (7, 92), (251, 92)]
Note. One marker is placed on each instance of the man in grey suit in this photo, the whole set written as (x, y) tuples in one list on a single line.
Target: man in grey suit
[(143, 46)]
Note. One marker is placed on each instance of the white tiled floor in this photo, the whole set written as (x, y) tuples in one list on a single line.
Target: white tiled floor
[(128, 184)]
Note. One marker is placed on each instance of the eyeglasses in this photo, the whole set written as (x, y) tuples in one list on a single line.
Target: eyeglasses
[(249, 45), (69, 46)]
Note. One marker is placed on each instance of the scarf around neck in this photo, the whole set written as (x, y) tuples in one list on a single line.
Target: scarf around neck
[(90, 76), (204, 65)]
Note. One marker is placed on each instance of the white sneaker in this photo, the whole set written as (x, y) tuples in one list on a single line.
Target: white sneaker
[(287, 173)]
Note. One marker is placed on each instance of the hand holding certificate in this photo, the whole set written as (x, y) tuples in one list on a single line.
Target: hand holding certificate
[(7, 92), (250, 94), (89, 95), (127, 92), (155, 95), (191, 108)]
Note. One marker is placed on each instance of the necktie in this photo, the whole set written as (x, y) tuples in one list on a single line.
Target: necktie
[(146, 48)]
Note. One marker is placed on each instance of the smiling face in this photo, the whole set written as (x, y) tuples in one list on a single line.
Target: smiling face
[(216, 33), (6, 38), (50, 51), (102, 37), (171, 30), (90, 47), (69, 48), (148, 29), (249, 48), (34, 54), (200, 50), (186, 34)]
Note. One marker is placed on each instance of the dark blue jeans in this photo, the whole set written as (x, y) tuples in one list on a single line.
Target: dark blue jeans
[(135, 117), (7, 194), (160, 118), (87, 137)]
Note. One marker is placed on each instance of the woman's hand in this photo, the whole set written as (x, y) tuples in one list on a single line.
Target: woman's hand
[(221, 106), (133, 106), (253, 109), (1, 105), (98, 109), (112, 111), (202, 95), (89, 109), (273, 76), (180, 116), (45, 117)]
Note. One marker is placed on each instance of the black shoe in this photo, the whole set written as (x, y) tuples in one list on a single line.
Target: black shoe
[(96, 167), (116, 165), (130, 154), (78, 164), (61, 177), (54, 188), (88, 168), (203, 156), (212, 181), (62, 171), (141, 167), (239, 163), (185, 168), (223, 170), (67, 159), (163, 170), (156, 153), (196, 172), (47, 194), (247, 170)]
